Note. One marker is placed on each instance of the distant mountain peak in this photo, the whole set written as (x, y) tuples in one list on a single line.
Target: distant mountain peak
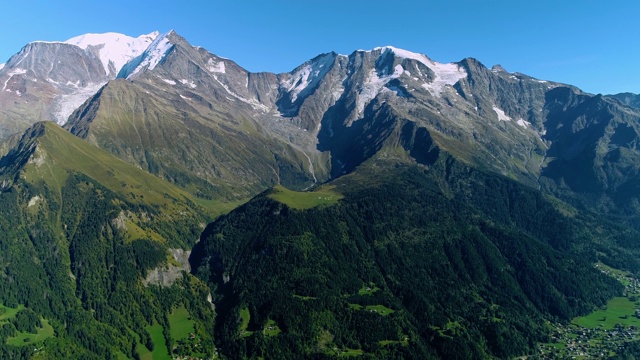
[(443, 73), (151, 57), (405, 54), (308, 75), (114, 47), (498, 68), (111, 47)]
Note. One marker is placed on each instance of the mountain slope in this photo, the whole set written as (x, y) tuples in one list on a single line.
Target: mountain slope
[(179, 121), (49, 80), (398, 268), (334, 112), (628, 99), (82, 232), (322, 119)]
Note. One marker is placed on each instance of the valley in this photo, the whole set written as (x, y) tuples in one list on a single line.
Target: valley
[(610, 331)]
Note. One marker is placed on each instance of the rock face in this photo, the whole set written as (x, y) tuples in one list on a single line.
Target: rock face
[(166, 275)]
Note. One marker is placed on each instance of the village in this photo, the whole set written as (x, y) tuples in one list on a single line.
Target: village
[(603, 333)]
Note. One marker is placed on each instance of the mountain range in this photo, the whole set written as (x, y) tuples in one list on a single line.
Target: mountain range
[(452, 172)]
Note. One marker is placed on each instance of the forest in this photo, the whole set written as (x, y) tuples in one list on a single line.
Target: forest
[(70, 263), (447, 262)]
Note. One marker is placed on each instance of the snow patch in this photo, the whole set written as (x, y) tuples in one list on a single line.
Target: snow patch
[(11, 74), (114, 48), (73, 84), (373, 85), (2, 66), (190, 83), (170, 82), (445, 74), (308, 75), (253, 102), (406, 54), (501, 115), (523, 123), (216, 67), (151, 57), (65, 105)]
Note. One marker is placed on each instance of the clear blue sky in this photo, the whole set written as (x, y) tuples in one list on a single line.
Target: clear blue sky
[(591, 44)]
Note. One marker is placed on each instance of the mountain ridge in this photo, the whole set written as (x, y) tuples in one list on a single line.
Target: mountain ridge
[(455, 209), (464, 105)]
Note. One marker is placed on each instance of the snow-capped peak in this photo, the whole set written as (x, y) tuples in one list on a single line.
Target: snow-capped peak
[(2, 66), (113, 47), (445, 74), (308, 75), (407, 54), (150, 58)]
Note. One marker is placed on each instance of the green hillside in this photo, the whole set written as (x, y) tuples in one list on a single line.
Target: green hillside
[(451, 273), (81, 230), (200, 145), (61, 153)]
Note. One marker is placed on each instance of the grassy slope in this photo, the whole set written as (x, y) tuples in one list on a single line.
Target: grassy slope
[(198, 144), (303, 200), (180, 323), (619, 310), (65, 152), (160, 352), (22, 338)]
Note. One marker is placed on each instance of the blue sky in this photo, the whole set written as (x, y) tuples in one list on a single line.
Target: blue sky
[(591, 44)]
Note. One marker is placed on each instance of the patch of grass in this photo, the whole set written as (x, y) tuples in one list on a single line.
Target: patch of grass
[(619, 310), (390, 342), (450, 330), (559, 346), (350, 352), (368, 289), (271, 329), (304, 298), (302, 200), (181, 324), (380, 309), (9, 313), (143, 352), (46, 331), (160, 351), (245, 316)]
